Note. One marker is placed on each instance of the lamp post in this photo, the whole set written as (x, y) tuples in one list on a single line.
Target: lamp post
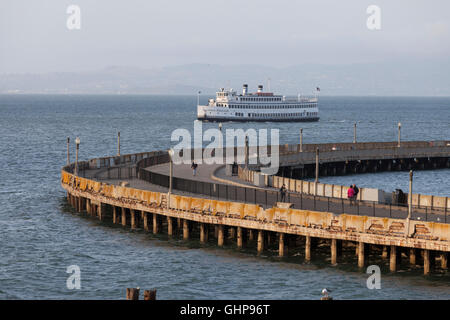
[(399, 129), (317, 165), (118, 143), (198, 98), (354, 132), (409, 202), (317, 171), (68, 150), (301, 139), (171, 153), (77, 142)]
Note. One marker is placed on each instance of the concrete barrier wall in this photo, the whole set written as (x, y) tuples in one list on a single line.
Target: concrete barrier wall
[(339, 191)]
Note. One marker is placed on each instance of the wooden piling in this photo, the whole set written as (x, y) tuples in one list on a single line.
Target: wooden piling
[(412, 256), (124, 217), (133, 219), (260, 241), (202, 233), (100, 211), (444, 260), (426, 262), (308, 248), (239, 237), (145, 218), (281, 246), (132, 293), (333, 251), (150, 294), (393, 259), (220, 235), (385, 253), (185, 229), (155, 224), (169, 226), (114, 215), (361, 254)]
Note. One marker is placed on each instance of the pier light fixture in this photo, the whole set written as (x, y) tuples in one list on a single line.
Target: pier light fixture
[(399, 129), (118, 143), (171, 153), (68, 150), (77, 142), (301, 140), (354, 132)]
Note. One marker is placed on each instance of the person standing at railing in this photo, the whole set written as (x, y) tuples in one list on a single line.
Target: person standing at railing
[(194, 168), (351, 195), (283, 193)]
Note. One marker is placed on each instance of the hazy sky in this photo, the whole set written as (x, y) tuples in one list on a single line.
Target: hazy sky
[(152, 33)]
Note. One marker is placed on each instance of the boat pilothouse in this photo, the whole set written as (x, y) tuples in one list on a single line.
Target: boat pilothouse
[(258, 106)]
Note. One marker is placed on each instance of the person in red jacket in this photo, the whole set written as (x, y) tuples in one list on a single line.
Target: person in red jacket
[(351, 194)]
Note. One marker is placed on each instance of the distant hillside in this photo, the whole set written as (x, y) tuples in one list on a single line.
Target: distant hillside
[(401, 78)]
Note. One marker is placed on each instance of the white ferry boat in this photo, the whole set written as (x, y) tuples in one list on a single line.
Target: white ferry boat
[(258, 106)]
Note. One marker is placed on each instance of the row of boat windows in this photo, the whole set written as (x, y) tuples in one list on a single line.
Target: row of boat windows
[(261, 99), (249, 106), (271, 115)]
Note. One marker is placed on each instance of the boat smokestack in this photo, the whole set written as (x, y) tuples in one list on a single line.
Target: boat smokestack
[(260, 88), (244, 89)]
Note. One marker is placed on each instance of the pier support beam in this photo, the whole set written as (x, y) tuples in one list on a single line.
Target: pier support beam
[(114, 215), (385, 253), (260, 241), (239, 237), (124, 217), (412, 256), (133, 219), (251, 236), (426, 262), (308, 248), (281, 246), (185, 229), (232, 233), (444, 260), (100, 211), (361, 255), (220, 235), (393, 259), (203, 233), (155, 224), (88, 206), (145, 219), (169, 226), (333, 251)]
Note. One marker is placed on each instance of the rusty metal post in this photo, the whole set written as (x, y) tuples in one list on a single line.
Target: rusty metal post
[(354, 132)]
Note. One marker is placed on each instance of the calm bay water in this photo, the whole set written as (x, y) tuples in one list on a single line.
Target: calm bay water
[(41, 236)]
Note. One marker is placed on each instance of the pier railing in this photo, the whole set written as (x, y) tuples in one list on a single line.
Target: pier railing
[(133, 166)]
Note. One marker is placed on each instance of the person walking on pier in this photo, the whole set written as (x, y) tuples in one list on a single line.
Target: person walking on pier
[(283, 193), (194, 168), (351, 195)]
